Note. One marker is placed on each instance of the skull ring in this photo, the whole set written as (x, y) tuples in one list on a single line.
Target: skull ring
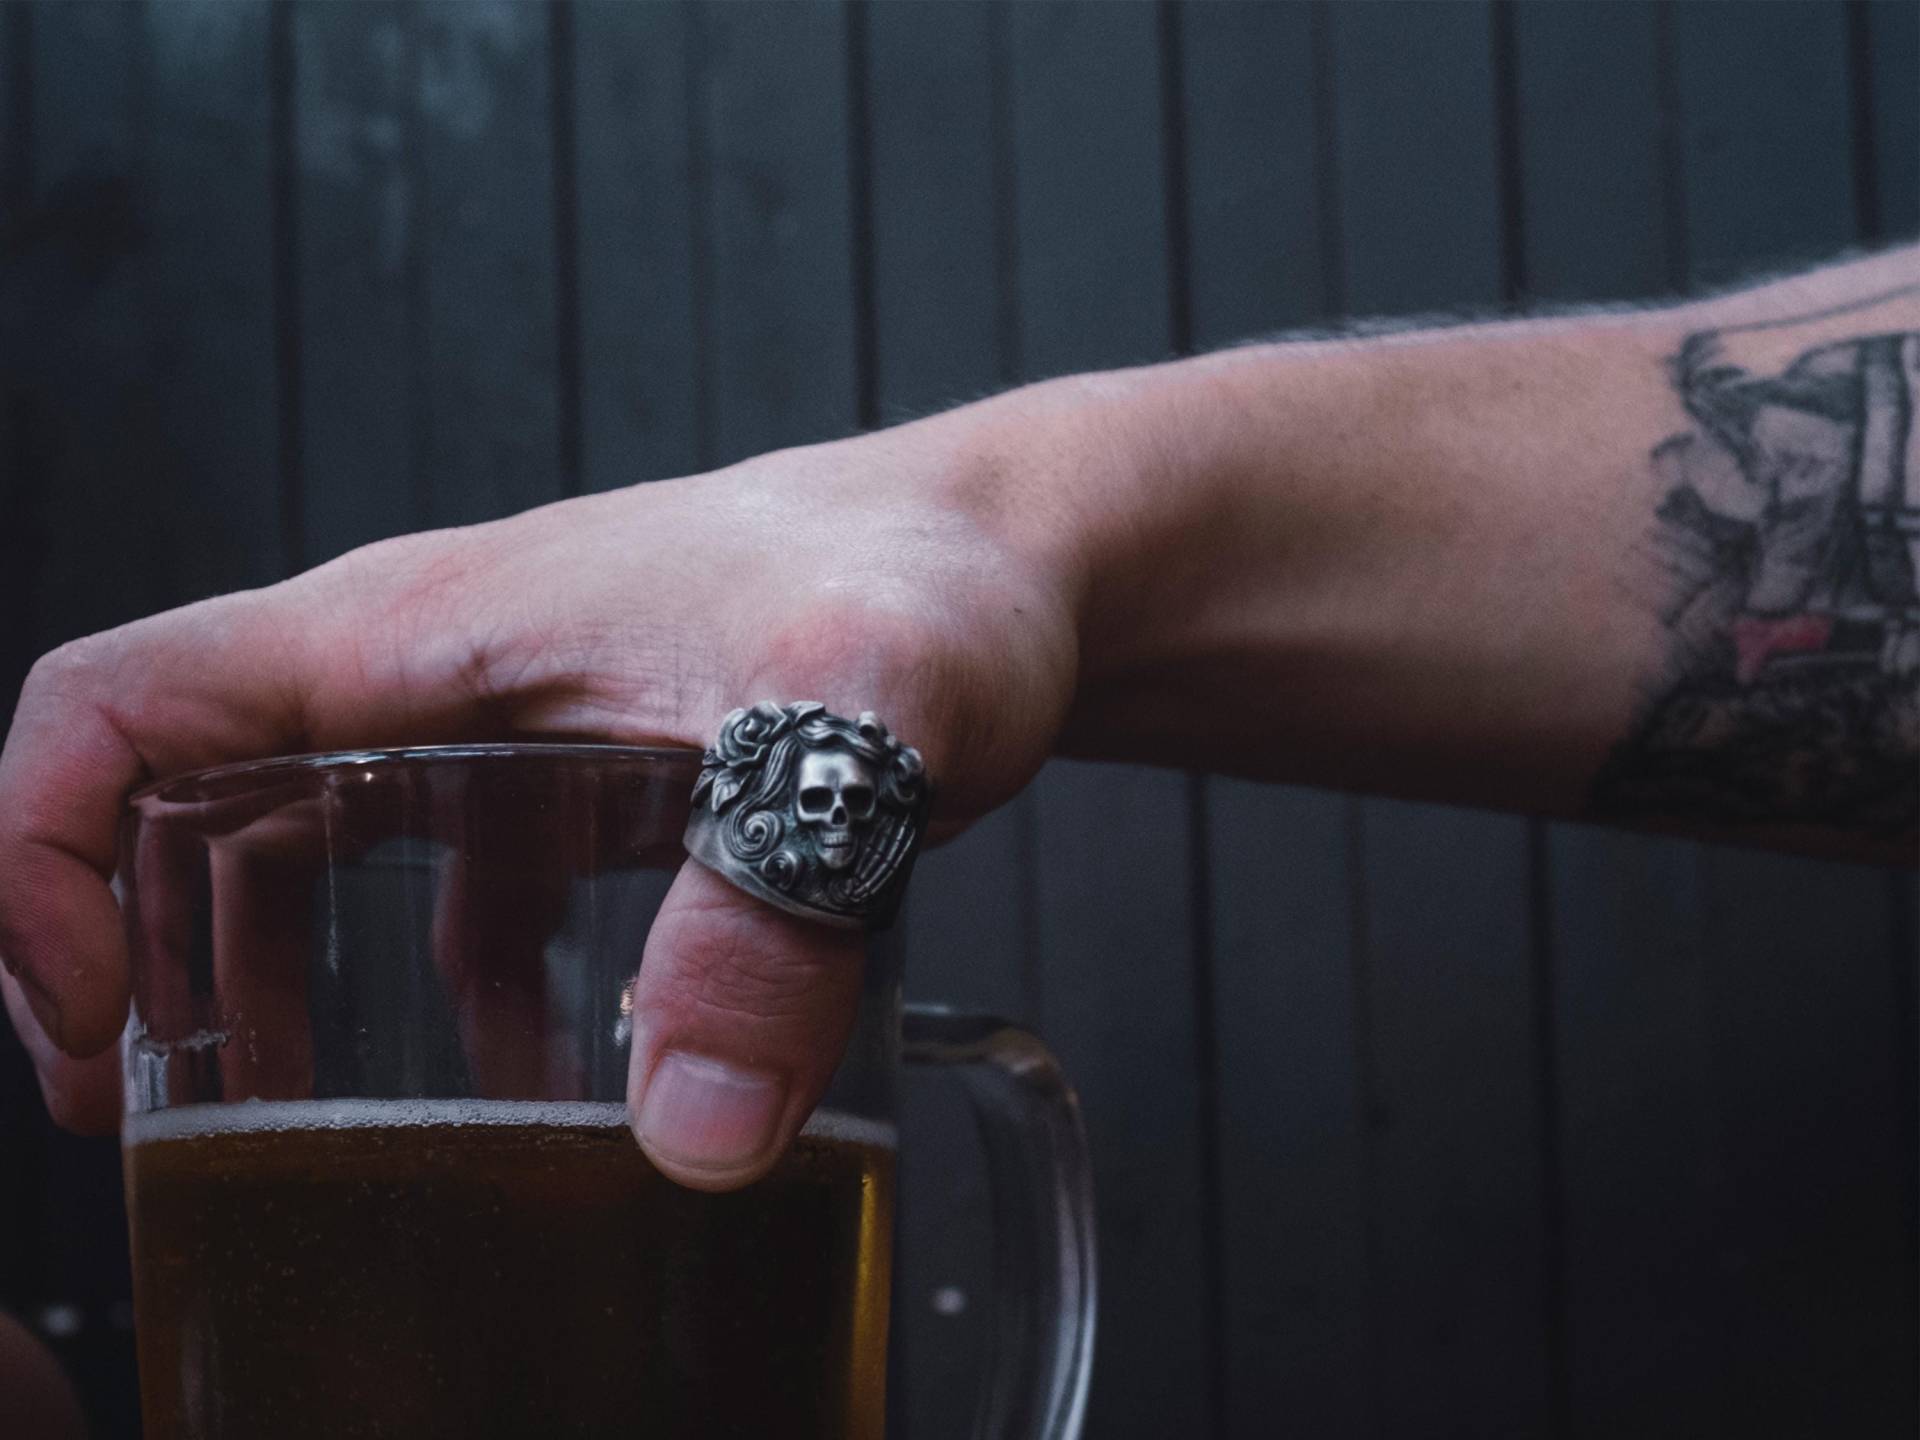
[(812, 812)]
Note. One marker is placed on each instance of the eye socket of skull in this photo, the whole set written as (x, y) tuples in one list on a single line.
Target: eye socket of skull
[(833, 788)]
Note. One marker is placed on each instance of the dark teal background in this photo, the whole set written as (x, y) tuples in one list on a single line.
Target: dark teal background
[(1408, 1121)]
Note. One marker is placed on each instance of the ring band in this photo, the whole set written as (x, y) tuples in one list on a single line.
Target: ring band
[(809, 811)]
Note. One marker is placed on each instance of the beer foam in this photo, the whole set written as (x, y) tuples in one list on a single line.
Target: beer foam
[(182, 1122)]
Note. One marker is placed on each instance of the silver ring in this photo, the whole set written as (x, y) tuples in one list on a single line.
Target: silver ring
[(812, 812)]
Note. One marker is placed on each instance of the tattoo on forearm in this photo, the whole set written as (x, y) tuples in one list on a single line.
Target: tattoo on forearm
[(1788, 543)]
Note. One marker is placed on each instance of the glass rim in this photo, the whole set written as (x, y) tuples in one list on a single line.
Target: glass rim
[(393, 756)]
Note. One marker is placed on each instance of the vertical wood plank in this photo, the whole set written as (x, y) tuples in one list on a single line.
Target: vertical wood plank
[(1460, 1314), (1903, 925), (86, 285), (937, 178), (212, 363), (1819, 1334), (1459, 1302), (22, 1122), (773, 102), (24, 1129), (16, 118), (1892, 78), (426, 248), (361, 248), (934, 75), (1765, 144), (1117, 956), (1415, 152), (1088, 168), (1259, 234), (1293, 1176), (1640, 1132), (1593, 218), (1292, 1183), (1626, 923), (1116, 916), (486, 146), (1816, 1323), (18, 543), (639, 287)]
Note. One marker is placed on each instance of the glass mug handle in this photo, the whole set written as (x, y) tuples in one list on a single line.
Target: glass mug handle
[(1041, 1182)]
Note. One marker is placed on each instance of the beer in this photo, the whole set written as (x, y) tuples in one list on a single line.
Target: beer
[(483, 1268)]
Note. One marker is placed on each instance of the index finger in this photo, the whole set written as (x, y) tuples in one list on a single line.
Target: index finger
[(96, 719)]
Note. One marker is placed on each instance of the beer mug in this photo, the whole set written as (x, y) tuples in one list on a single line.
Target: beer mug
[(378, 1170)]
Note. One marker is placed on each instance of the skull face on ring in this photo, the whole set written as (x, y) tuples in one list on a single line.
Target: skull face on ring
[(810, 807), (834, 796)]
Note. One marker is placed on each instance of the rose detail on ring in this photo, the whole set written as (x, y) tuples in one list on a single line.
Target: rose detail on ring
[(745, 738)]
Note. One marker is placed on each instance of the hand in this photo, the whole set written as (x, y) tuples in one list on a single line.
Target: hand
[(35, 1394), (907, 572)]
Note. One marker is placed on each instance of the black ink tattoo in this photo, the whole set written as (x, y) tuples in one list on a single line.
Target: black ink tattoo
[(1788, 543)]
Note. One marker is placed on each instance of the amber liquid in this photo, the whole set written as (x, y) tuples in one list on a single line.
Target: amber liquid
[(458, 1268)]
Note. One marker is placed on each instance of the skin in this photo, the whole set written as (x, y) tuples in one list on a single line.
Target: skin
[(1414, 565), (39, 1399), (463, 634)]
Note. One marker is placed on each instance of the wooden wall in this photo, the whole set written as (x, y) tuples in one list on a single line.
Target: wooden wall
[(1408, 1121)]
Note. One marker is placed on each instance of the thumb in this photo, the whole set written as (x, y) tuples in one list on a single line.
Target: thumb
[(741, 1014), (741, 1010)]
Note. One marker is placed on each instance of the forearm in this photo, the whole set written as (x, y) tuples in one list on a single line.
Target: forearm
[(1549, 564)]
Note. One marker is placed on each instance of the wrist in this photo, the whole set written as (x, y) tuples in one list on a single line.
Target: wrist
[(1109, 485)]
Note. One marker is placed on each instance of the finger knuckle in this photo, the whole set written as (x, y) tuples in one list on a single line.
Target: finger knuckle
[(975, 675), (69, 669), (398, 579), (858, 653)]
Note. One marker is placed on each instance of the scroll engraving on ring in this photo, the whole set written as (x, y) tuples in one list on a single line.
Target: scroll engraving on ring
[(810, 811)]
